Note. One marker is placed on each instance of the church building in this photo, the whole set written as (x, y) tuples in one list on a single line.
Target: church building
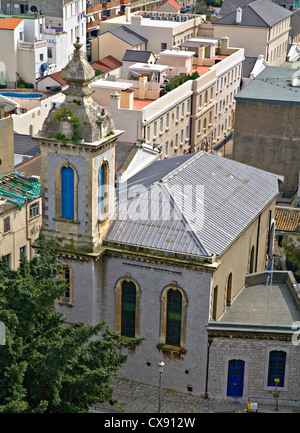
[(161, 255)]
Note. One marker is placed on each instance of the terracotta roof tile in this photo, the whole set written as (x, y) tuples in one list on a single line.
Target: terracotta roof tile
[(9, 23), (172, 3), (287, 219)]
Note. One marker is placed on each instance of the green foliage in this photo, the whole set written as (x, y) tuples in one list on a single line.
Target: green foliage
[(21, 84), (180, 79), (47, 365), (292, 251)]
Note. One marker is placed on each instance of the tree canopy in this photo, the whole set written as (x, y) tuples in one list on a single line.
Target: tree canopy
[(47, 365)]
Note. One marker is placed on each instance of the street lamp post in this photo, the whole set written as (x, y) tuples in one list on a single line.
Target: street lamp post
[(160, 370), (276, 393)]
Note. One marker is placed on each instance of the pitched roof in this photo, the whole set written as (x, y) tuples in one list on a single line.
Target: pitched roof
[(260, 13), (9, 23), (170, 213), (25, 145), (127, 35), (106, 64), (137, 56), (56, 76), (30, 167), (229, 6), (287, 219), (172, 3)]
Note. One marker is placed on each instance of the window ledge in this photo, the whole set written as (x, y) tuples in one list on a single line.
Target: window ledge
[(66, 220), (103, 217), (66, 303), (171, 351)]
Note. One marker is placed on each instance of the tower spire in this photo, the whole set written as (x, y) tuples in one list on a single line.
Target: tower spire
[(79, 117)]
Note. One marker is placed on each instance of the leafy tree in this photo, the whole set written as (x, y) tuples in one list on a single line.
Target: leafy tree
[(47, 365), (292, 250)]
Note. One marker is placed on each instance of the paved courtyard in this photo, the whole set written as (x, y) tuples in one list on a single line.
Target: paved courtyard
[(134, 397)]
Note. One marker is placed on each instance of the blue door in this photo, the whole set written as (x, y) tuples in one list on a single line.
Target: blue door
[(235, 382)]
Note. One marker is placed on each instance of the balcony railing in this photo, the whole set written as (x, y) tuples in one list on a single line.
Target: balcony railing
[(32, 45)]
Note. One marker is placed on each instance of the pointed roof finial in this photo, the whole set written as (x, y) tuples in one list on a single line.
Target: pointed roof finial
[(77, 44)]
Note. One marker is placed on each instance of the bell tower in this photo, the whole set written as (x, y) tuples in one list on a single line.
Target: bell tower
[(77, 145)]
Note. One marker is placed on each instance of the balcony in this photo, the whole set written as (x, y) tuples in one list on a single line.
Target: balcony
[(31, 46)]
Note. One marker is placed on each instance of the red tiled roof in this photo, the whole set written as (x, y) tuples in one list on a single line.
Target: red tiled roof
[(108, 63), (172, 3), (9, 23), (287, 219)]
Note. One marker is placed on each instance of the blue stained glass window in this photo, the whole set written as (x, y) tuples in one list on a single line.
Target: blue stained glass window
[(101, 193), (67, 193)]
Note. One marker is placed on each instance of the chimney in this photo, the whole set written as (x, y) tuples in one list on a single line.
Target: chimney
[(115, 99), (238, 18), (142, 87), (127, 12), (127, 99)]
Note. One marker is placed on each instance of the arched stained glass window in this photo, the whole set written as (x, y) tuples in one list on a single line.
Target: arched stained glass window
[(67, 193), (174, 309), (128, 309)]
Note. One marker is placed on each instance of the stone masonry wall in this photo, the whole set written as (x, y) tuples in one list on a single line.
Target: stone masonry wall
[(255, 353)]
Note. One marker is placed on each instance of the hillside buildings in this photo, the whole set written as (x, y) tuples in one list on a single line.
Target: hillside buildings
[(20, 203), (266, 133), (195, 115), (178, 266)]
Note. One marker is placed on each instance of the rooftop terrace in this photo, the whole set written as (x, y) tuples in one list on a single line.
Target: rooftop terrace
[(264, 306)]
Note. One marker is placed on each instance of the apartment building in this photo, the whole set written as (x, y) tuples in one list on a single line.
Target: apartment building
[(261, 28), (22, 52), (64, 21), (161, 30), (193, 116)]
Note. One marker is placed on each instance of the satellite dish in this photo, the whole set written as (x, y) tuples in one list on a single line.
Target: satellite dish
[(33, 8)]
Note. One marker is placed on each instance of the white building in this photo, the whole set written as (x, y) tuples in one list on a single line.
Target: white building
[(63, 22), (22, 52)]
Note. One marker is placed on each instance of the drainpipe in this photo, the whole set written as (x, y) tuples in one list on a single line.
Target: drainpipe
[(209, 343)]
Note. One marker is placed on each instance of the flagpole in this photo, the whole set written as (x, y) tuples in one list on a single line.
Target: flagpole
[(270, 292)]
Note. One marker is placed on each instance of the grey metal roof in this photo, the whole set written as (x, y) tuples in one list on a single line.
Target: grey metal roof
[(137, 56), (255, 303), (25, 145), (260, 13), (272, 85), (165, 210), (229, 6), (127, 35)]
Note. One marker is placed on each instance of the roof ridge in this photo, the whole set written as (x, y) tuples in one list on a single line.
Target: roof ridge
[(183, 165), (184, 220)]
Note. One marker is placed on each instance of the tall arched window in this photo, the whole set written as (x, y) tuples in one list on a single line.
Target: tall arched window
[(229, 289), (174, 307), (251, 265), (103, 188), (173, 320), (67, 193), (67, 275), (127, 306), (128, 309)]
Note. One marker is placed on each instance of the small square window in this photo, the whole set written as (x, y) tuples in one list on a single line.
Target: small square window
[(6, 224), (34, 210)]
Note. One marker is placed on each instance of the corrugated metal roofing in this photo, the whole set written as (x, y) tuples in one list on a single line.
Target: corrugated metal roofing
[(166, 211)]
